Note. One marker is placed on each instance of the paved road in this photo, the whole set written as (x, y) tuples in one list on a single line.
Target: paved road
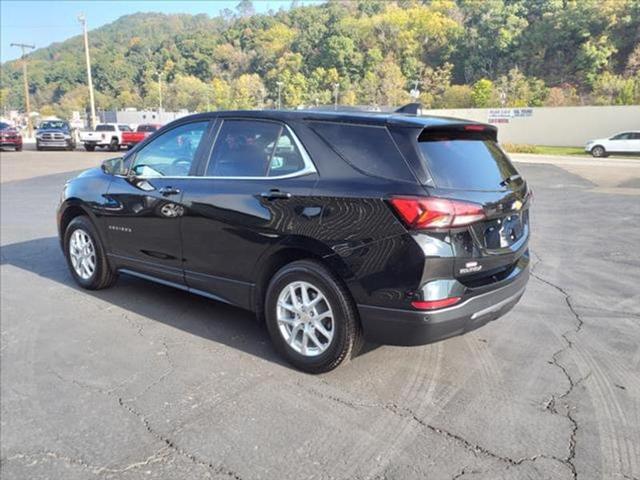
[(142, 381)]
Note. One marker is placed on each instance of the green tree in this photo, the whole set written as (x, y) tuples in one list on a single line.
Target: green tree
[(484, 94)]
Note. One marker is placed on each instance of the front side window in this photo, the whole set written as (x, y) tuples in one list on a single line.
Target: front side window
[(125, 128), (622, 136), (246, 148), (172, 153)]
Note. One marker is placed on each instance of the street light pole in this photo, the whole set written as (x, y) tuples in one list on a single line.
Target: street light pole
[(83, 20), (336, 87), (27, 105), (279, 95)]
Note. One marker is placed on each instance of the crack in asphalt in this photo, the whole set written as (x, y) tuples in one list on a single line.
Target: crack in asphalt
[(407, 413), (158, 456), (550, 405), (168, 442)]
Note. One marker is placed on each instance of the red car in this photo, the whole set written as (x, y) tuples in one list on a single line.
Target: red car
[(143, 131), (10, 137)]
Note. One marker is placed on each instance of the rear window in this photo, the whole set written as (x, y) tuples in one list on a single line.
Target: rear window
[(370, 149), (147, 128), (105, 128), (465, 161)]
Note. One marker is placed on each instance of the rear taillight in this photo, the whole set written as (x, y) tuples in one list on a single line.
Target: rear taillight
[(432, 212), (433, 304)]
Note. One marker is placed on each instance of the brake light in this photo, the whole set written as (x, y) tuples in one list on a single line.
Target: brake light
[(433, 304), (432, 212), (474, 128)]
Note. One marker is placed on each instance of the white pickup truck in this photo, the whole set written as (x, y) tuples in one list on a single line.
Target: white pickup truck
[(105, 135)]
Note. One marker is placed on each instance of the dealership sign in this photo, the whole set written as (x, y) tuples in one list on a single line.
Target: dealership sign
[(504, 115)]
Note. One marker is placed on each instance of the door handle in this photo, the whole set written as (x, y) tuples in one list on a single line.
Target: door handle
[(166, 191), (275, 194)]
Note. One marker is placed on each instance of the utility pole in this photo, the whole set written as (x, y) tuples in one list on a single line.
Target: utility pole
[(159, 96), (336, 87), (279, 95), (27, 105), (83, 20)]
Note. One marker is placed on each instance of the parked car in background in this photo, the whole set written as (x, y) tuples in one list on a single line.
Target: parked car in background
[(106, 135), (55, 134), (10, 137), (624, 142), (142, 131), (332, 227)]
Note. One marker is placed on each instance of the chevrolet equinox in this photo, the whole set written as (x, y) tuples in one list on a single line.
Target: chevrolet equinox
[(332, 227)]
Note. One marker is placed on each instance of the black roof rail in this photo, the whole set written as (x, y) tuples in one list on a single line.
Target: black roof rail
[(411, 108)]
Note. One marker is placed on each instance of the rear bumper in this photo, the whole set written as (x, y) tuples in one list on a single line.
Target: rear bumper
[(408, 327)]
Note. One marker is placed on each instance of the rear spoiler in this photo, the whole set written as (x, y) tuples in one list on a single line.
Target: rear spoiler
[(410, 108), (461, 131)]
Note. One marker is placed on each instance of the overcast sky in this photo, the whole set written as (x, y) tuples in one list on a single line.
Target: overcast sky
[(41, 23)]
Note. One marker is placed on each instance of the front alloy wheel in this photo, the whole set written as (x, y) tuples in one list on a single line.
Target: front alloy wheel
[(305, 319), (82, 254), (86, 256)]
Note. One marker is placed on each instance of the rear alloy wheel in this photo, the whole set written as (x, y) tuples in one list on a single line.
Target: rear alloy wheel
[(598, 151), (86, 256), (311, 317), (305, 319)]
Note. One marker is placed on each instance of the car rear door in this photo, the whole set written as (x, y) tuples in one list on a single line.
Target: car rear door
[(252, 193)]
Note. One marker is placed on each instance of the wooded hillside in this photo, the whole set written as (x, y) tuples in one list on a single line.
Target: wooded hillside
[(463, 53)]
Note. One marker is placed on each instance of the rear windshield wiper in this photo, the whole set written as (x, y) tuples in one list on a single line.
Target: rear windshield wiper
[(510, 179)]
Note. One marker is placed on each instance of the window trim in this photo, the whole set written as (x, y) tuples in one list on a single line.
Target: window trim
[(309, 166)]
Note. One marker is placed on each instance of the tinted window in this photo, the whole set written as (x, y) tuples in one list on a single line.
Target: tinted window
[(147, 128), (465, 163), (53, 125), (286, 158), (125, 128), (4, 125), (369, 149), (635, 136), (244, 148), (105, 128), (622, 136), (172, 153)]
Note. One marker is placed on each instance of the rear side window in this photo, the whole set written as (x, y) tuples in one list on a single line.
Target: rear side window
[(465, 161), (247, 148), (147, 128), (370, 149), (105, 128), (125, 128)]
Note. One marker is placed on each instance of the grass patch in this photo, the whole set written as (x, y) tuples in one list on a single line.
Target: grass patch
[(543, 149)]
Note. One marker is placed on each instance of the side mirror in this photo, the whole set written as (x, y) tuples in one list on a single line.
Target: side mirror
[(114, 166)]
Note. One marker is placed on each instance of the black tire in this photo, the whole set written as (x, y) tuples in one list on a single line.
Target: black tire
[(347, 332), (38, 147), (598, 151), (89, 148), (103, 276), (19, 149), (114, 145)]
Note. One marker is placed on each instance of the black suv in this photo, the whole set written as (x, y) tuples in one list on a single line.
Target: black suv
[(332, 227)]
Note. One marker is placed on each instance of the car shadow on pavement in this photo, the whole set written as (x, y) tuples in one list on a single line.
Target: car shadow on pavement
[(191, 313)]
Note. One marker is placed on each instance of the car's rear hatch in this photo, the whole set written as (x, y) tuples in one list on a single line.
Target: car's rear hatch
[(464, 163)]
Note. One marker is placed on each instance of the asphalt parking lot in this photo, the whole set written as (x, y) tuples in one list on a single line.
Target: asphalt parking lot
[(143, 381)]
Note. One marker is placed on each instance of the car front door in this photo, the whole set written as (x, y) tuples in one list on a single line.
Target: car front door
[(253, 191), (145, 206), (620, 143)]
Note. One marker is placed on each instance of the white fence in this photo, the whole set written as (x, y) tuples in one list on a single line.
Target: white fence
[(559, 126)]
